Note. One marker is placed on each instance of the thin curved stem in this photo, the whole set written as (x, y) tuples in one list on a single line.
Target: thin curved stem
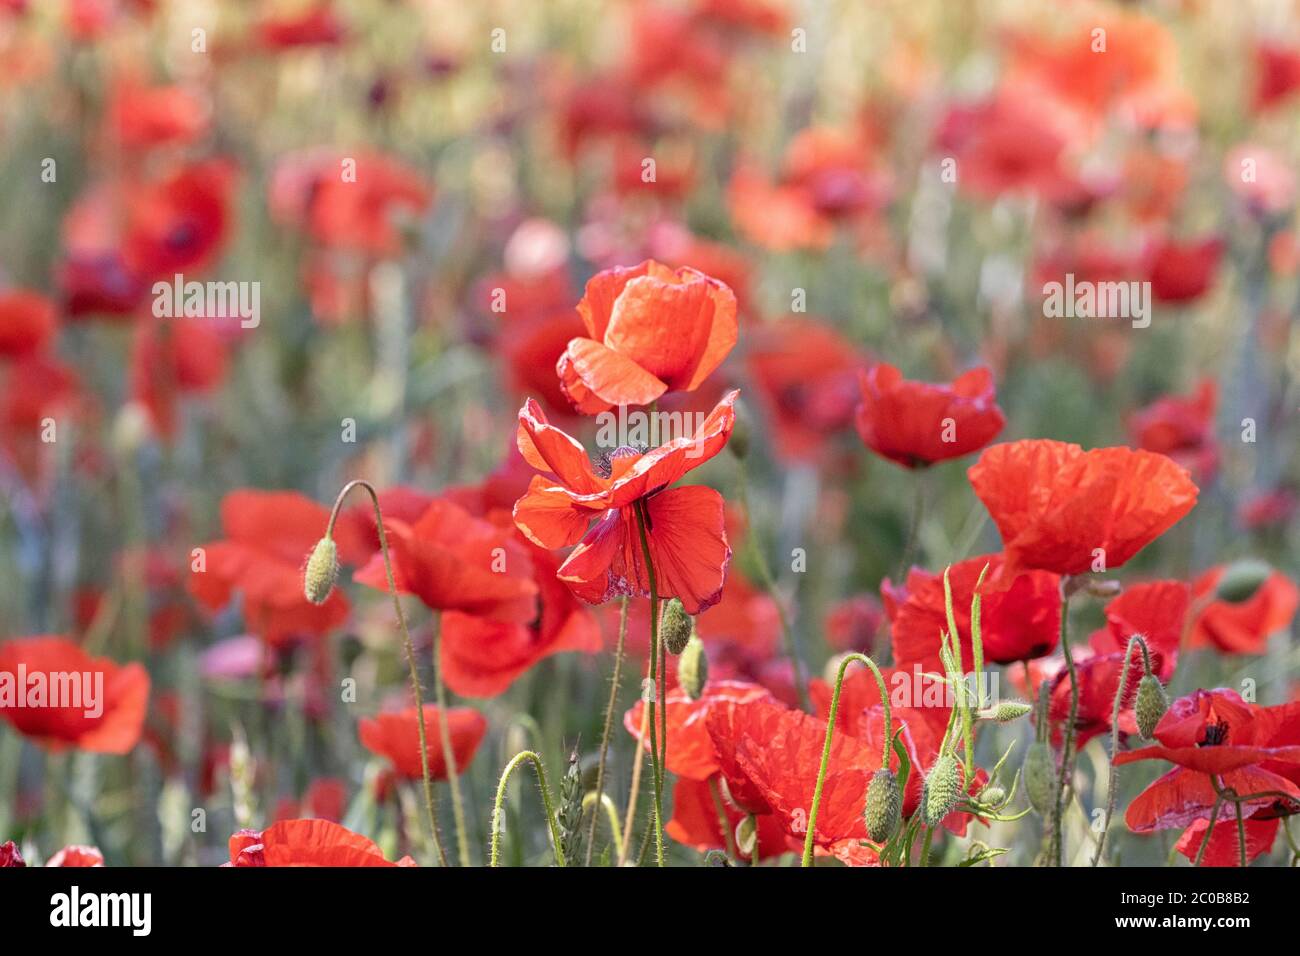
[(448, 752), (1209, 831), (497, 811), (609, 724), (830, 730), (410, 651), (1113, 773), (1241, 836), (656, 768), (723, 822), (1067, 733), (637, 766)]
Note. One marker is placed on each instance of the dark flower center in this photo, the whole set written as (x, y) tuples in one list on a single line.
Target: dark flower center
[(1215, 734), (605, 463)]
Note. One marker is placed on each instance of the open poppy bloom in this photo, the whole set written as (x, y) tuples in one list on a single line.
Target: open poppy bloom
[(1019, 621), (695, 821), (598, 511), (1060, 508), (1249, 749), (10, 856), (650, 330), (1181, 427), (27, 322), (916, 424), (77, 855), (397, 736), (268, 536), (690, 749), (1243, 628), (59, 696), (453, 561), (306, 843)]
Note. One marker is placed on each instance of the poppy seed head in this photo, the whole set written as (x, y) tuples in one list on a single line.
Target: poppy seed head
[(883, 811), (942, 789), (1040, 776), (322, 570), (675, 627)]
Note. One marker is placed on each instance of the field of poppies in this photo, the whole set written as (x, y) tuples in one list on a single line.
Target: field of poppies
[(649, 433)]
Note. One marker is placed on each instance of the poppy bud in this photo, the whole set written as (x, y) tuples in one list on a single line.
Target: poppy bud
[(693, 668), (675, 627), (942, 788), (746, 836), (884, 806), (992, 796), (1040, 776), (322, 571), (1006, 711), (1241, 579), (1150, 706)]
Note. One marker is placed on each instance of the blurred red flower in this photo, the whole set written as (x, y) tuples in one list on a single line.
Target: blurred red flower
[(650, 330), (171, 359), (915, 424), (1060, 508), (691, 754), (396, 735), (1244, 627), (1277, 74), (1181, 272), (58, 722), (9, 855), (685, 527), (77, 856), (1181, 428), (306, 843), (27, 322), (179, 222)]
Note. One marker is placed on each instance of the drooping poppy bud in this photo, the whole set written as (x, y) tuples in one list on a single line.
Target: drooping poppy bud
[(1040, 776), (693, 668), (1150, 706), (675, 627), (942, 789), (322, 571), (1241, 579), (884, 806)]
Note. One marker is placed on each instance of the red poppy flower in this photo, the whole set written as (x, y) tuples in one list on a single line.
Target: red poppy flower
[(306, 843), (481, 657), (180, 222), (268, 535), (9, 855), (1181, 428), (695, 821), (183, 357), (1245, 627), (143, 116), (685, 527), (1060, 508), (107, 718), (397, 736), (27, 322), (1213, 735), (313, 25), (1277, 74), (1224, 847), (325, 798), (1020, 617), (1183, 271), (806, 373), (650, 330), (77, 856), (1157, 611), (916, 424), (690, 749), (853, 623), (453, 561), (1266, 509)]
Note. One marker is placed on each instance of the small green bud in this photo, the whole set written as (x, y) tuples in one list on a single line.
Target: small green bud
[(1241, 579), (1039, 772), (322, 571), (675, 627), (1150, 705), (992, 796), (746, 836), (693, 668), (884, 806), (1006, 711), (942, 789)]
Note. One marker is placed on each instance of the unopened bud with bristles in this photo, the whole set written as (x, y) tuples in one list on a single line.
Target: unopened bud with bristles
[(942, 789), (693, 668), (1006, 711), (993, 796), (675, 627), (884, 806), (1150, 705), (322, 571), (1241, 580), (1040, 776)]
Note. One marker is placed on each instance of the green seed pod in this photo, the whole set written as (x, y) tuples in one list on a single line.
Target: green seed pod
[(322, 571), (1006, 711), (1241, 579), (942, 789), (1150, 706), (675, 627), (1039, 772), (693, 668), (992, 796), (884, 806)]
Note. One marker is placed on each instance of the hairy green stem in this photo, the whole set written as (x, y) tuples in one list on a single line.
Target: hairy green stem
[(448, 753), (655, 679), (609, 724), (497, 810), (1067, 734), (1113, 773)]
